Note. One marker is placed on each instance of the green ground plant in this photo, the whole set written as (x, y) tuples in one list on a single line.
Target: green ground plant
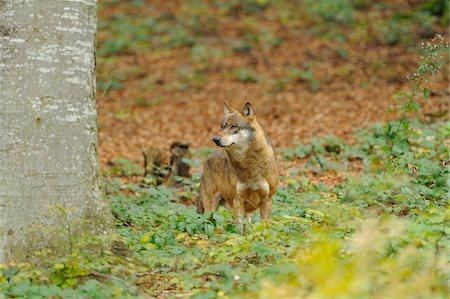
[(371, 230)]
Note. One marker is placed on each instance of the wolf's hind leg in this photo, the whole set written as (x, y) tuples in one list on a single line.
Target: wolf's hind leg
[(238, 206), (211, 203), (200, 207)]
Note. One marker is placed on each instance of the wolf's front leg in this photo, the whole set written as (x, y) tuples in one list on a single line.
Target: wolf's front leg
[(266, 208)]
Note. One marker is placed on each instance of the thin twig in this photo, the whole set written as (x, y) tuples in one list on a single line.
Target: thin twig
[(105, 90), (148, 273), (111, 277)]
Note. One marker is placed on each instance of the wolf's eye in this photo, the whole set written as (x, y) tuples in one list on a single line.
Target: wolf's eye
[(233, 127)]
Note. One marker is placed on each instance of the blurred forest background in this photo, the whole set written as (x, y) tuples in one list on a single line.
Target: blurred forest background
[(310, 67)]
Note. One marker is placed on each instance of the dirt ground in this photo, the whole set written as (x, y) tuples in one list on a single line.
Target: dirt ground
[(354, 91)]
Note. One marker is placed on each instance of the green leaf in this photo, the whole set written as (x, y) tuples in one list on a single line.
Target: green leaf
[(10, 272), (425, 93)]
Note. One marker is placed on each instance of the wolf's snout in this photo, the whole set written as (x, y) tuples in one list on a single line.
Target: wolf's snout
[(216, 140)]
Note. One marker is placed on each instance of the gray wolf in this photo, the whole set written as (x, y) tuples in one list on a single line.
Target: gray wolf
[(242, 174)]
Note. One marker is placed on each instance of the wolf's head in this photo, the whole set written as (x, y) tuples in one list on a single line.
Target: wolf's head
[(238, 128)]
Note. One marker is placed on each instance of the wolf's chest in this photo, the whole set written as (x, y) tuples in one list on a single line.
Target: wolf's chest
[(253, 186), (253, 193)]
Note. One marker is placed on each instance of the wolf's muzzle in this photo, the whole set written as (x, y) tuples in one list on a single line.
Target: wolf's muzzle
[(216, 140)]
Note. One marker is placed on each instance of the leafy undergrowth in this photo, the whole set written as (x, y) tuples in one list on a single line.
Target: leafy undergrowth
[(381, 232)]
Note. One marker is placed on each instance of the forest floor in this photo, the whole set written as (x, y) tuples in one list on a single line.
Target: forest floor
[(165, 69), (304, 76)]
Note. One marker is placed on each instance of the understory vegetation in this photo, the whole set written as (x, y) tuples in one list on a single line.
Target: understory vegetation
[(364, 217), (380, 232)]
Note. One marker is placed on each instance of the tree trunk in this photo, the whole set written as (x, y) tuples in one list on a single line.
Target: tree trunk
[(49, 171)]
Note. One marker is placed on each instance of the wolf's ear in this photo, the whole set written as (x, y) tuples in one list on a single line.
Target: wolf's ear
[(248, 110), (226, 109)]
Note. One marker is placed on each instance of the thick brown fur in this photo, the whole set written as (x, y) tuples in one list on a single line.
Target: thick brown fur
[(242, 174)]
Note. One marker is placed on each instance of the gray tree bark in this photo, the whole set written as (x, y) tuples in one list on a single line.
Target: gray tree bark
[(49, 170)]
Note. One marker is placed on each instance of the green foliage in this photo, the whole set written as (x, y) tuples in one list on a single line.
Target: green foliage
[(406, 173), (245, 75), (322, 154), (188, 77), (381, 259), (437, 8), (385, 226), (202, 54), (398, 134), (242, 6), (85, 273), (112, 83), (143, 32), (123, 167), (89, 289), (210, 253), (305, 76), (340, 11)]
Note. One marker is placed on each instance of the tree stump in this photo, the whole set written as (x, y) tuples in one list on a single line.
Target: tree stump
[(153, 163), (178, 166)]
